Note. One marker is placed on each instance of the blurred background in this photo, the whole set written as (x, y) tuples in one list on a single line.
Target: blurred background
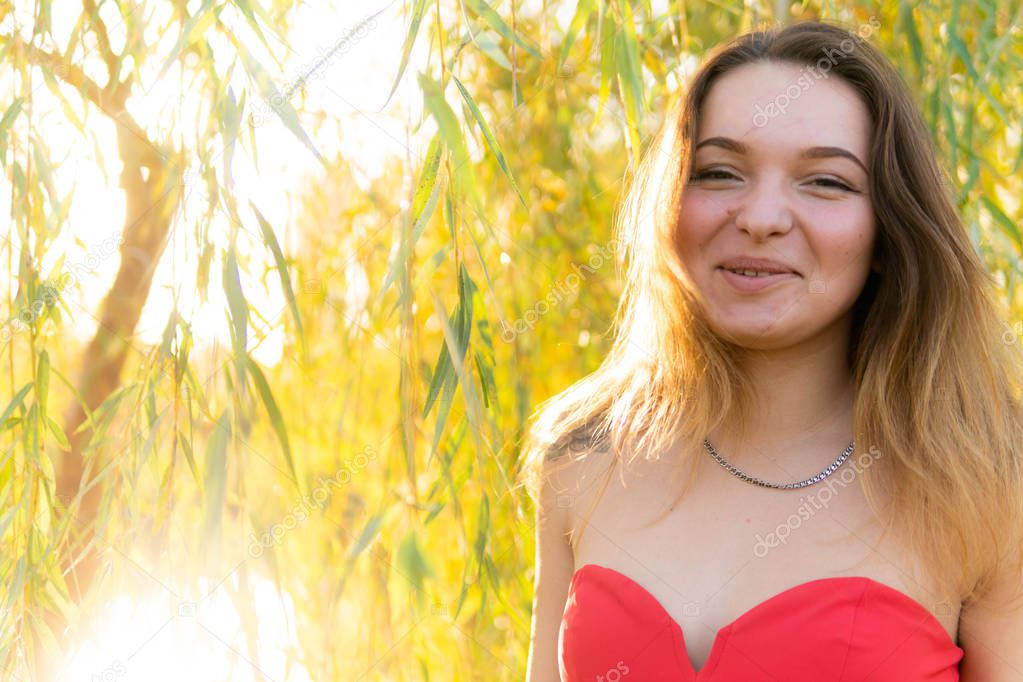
[(284, 281)]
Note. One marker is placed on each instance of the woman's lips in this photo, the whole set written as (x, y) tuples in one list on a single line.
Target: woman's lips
[(754, 284)]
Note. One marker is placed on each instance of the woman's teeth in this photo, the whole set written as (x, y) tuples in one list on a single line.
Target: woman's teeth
[(752, 273)]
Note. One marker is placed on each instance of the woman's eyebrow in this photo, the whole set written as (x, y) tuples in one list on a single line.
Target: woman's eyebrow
[(808, 153)]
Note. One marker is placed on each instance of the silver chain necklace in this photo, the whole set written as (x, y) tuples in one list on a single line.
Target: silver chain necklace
[(784, 486)]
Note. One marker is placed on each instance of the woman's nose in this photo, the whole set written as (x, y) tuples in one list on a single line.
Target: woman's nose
[(763, 210)]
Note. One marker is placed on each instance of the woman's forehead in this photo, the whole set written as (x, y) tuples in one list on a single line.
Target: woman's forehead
[(773, 106)]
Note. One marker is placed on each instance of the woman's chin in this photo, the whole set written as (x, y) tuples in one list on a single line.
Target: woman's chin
[(751, 332)]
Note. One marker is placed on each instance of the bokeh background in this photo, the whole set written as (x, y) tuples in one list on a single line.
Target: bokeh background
[(284, 281)]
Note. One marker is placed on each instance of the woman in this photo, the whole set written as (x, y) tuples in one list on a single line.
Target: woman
[(800, 460)]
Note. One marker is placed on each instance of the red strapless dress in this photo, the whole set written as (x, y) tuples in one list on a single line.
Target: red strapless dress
[(842, 629)]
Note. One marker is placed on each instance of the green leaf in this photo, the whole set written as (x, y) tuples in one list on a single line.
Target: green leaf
[(583, 10), (186, 446), (103, 414), (282, 268), (237, 306), (274, 412), (443, 409), (58, 433), (195, 26), (16, 585), (466, 290), (15, 401), (369, 531), (407, 249), (215, 478), (202, 273), (607, 66), (482, 526), (230, 118), (428, 177), (12, 113), (45, 171), (963, 52), (484, 10), (435, 508), (484, 40), (630, 75), (453, 351), (8, 118), (999, 215), (15, 507), (246, 7), (489, 137), (43, 380), (168, 333), (280, 104), (418, 10), (442, 372), (149, 446), (423, 203), (912, 35), (412, 563), (458, 345), (447, 124), (56, 88), (487, 383)]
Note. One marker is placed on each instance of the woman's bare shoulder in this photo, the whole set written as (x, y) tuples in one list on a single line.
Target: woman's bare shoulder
[(574, 472), (578, 455)]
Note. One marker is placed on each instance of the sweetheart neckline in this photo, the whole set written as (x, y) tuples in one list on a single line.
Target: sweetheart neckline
[(717, 642)]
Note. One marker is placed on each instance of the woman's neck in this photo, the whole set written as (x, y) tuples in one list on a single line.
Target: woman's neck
[(803, 404)]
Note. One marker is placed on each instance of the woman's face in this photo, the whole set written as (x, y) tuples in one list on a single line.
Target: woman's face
[(778, 176)]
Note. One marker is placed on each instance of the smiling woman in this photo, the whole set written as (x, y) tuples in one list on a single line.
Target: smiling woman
[(801, 169), (799, 288)]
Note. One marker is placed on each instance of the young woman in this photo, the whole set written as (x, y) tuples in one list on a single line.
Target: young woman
[(801, 458)]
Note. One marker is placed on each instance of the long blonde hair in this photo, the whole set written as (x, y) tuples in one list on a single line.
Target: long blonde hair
[(937, 388)]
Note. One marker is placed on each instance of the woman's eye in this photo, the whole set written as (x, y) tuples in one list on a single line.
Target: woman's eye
[(711, 175), (831, 182), (720, 174)]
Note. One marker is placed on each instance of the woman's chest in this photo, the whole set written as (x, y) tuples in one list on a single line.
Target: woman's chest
[(723, 550)]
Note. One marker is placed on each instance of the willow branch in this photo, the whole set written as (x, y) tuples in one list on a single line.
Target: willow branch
[(113, 60), (108, 100)]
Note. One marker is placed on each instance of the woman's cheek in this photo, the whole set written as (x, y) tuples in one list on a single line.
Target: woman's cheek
[(700, 214), (843, 250), (709, 205)]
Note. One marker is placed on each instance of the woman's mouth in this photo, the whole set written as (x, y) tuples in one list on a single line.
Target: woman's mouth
[(751, 281)]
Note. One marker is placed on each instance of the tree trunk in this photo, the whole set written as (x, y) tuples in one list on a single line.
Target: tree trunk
[(150, 202)]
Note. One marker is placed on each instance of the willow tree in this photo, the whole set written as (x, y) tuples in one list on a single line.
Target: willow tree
[(101, 66)]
